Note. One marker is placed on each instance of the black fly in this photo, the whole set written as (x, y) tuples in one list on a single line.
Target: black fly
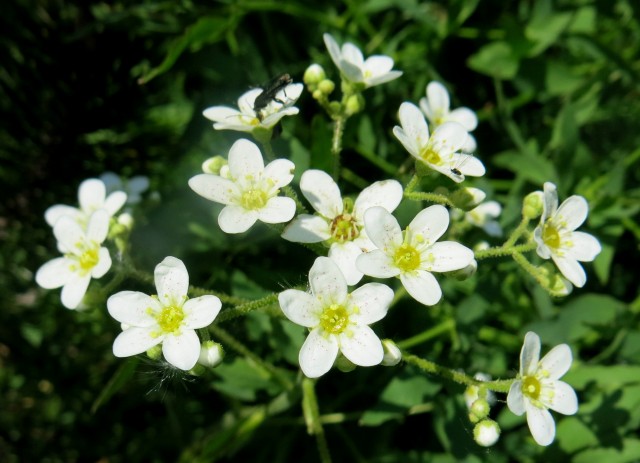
[(269, 93)]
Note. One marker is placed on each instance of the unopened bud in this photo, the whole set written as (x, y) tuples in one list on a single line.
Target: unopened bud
[(486, 433), (155, 352), (314, 75), (533, 205), (211, 354), (479, 410), (467, 198), (344, 364), (354, 104), (392, 353), (326, 86), (213, 165)]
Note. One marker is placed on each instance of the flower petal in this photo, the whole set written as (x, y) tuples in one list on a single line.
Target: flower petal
[(541, 424), (52, 214), (115, 201), (557, 361), (386, 194), (318, 354), (550, 204), (214, 188), (448, 138), (91, 194), (74, 290), (383, 78), (182, 351), (247, 100), (307, 229), (322, 192), (377, 264), (103, 265), (133, 308), (361, 346), (55, 273), (245, 160), (585, 247), (172, 281), (345, 255), (280, 172), (278, 209), (220, 113), (430, 224), (438, 99), (373, 301), (201, 311), (422, 286), (382, 229), (447, 256), (572, 212), (236, 219), (300, 307), (333, 48), (465, 117), (515, 398), (571, 270), (68, 233), (98, 226), (327, 282), (135, 341), (409, 144), (413, 124), (564, 399), (352, 54), (530, 354)]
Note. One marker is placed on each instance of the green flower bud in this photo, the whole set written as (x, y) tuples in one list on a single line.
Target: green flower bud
[(486, 433), (326, 86), (533, 205), (155, 353), (213, 165), (211, 354), (344, 364), (479, 409), (392, 354), (467, 198), (314, 75), (354, 104)]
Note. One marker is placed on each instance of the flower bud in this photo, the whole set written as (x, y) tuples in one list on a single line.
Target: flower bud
[(155, 353), (326, 86), (354, 104), (392, 354), (213, 165), (479, 410), (126, 220), (211, 354), (467, 198), (486, 433), (314, 74), (344, 364), (533, 205)]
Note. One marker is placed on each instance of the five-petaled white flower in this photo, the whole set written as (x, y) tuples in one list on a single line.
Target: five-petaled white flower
[(414, 254), (133, 187), (250, 190), (92, 195), (338, 320), (170, 318), (436, 107), (246, 120), (340, 225), (557, 239), (438, 150), (537, 389), (83, 258), (375, 70), (482, 216)]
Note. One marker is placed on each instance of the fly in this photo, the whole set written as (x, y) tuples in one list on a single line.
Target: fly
[(270, 93)]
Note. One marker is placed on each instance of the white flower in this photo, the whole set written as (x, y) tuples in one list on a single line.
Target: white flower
[(341, 226), (414, 254), (436, 107), (84, 257), (537, 389), (246, 119), (250, 190), (133, 187), (338, 321), (169, 318), (557, 239), (438, 150), (349, 60), (92, 195), (482, 216)]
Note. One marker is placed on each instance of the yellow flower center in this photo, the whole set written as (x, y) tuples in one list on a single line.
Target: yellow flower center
[(334, 319), (550, 235), (170, 318), (344, 228), (431, 156), (253, 199), (531, 387), (89, 259), (407, 258)]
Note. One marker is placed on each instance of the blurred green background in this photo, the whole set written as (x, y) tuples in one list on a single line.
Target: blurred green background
[(91, 86)]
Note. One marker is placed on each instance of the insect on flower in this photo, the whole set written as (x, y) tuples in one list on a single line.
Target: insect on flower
[(270, 93)]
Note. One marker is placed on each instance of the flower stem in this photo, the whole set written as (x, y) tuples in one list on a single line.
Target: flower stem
[(431, 197), (336, 144), (311, 414), (247, 307), (504, 251), (426, 335), (453, 375)]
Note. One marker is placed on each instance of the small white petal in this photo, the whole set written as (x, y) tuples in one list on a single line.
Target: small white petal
[(133, 308), (564, 399), (557, 361), (91, 194), (74, 290), (465, 117), (183, 350), (449, 137), (52, 214), (201, 311), (236, 219), (280, 172), (247, 101), (571, 270), (382, 79), (115, 201), (54, 273), (68, 233), (530, 354), (409, 144), (134, 340), (572, 212), (361, 346), (515, 399), (317, 354), (103, 265), (214, 188), (377, 264), (98, 226), (352, 54), (245, 160), (541, 424), (327, 282), (307, 229), (300, 307), (372, 300), (584, 247), (431, 223), (220, 113), (550, 205), (378, 65), (413, 124), (382, 229), (345, 255), (322, 192), (333, 48), (278, 209), (172, 281), (422, 286), (386, 194), (438, 98), (448, 256)]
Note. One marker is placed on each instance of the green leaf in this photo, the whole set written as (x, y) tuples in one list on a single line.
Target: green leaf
[(243, 380), (605, 377), (496, 59), (119, 379), (545, 26), (531, 167), (628, 452)]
